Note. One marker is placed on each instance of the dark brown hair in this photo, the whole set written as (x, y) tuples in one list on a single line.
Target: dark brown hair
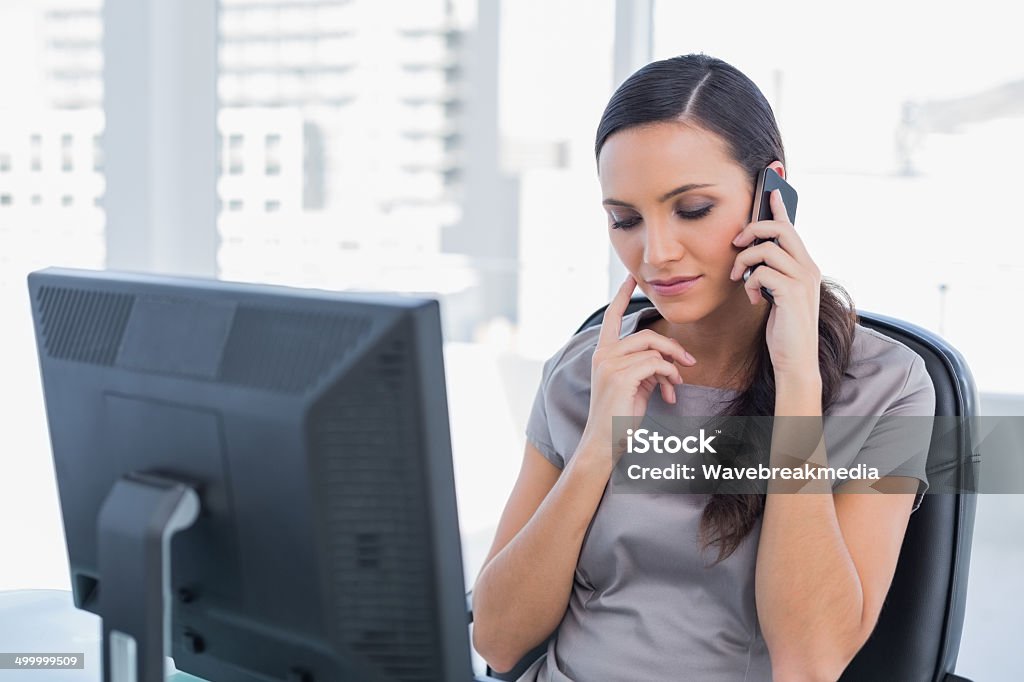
[(714, 95)]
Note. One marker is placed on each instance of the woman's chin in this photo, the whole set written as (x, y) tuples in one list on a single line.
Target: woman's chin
[(683, 310), (678, 312)]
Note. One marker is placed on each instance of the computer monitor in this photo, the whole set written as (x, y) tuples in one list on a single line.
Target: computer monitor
[(254, 479)]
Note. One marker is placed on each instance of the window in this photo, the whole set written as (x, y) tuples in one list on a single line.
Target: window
[(97, 154), (52, 94), (235, 166), (67, 163), (273, 154), (36, 152)]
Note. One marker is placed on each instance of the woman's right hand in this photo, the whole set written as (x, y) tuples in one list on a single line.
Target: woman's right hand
[(624, 373)]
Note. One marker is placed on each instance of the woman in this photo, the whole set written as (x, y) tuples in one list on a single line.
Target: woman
[(621, 580)]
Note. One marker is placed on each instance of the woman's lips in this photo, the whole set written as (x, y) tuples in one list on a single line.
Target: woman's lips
[(674, 289)]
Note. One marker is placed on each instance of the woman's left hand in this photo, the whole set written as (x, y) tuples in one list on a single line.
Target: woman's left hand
[(795, 282)]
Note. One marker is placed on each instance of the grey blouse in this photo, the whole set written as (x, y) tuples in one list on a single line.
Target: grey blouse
[(644, 606)]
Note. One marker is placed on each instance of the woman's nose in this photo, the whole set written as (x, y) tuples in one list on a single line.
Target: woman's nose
[(660, 244)]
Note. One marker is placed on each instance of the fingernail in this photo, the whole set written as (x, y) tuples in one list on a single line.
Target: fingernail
[(689, 357)]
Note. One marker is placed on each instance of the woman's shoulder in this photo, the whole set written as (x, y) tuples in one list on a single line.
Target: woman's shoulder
[(873, 352), (881, 371)]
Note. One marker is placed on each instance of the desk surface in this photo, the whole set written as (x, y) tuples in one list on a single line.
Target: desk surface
[(46, 621)]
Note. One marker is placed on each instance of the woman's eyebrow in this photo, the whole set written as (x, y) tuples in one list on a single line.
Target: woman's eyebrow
[(663, 199)]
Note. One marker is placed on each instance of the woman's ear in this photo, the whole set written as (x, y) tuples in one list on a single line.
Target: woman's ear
[(778, 168)]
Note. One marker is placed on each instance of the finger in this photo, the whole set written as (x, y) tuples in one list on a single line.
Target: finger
[(769, 253), (611, 322), (778, 205), (649, 363), (664, 371), (667, 387), (668, 392), (784, 232), (666, 380), (649, 339), (775, 282)]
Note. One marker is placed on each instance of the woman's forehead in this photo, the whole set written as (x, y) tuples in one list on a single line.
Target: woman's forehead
[(642, 159)]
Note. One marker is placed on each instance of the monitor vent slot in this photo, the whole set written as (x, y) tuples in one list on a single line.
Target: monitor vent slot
[(85, 326), (377, 529), (286, 350)]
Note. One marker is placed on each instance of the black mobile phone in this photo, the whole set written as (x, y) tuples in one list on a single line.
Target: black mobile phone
[(767, 181)]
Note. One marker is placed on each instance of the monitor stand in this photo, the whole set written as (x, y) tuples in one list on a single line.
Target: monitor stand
[(135, 525)]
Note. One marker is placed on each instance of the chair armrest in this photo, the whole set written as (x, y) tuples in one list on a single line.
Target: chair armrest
[(952, 677)]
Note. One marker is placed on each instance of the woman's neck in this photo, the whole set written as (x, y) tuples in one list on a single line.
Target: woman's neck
[(724, 344)]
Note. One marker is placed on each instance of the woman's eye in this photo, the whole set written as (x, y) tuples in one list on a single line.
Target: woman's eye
[(693, 215), (624, 224), (632, 221)]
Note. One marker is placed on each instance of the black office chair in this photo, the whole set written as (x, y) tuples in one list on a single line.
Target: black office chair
[(917, 637)]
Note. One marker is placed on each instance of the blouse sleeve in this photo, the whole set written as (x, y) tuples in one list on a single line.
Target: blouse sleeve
[(898, 444), (538, 425)]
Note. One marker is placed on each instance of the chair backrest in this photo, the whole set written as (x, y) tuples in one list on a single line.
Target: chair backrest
[(918, 632)]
